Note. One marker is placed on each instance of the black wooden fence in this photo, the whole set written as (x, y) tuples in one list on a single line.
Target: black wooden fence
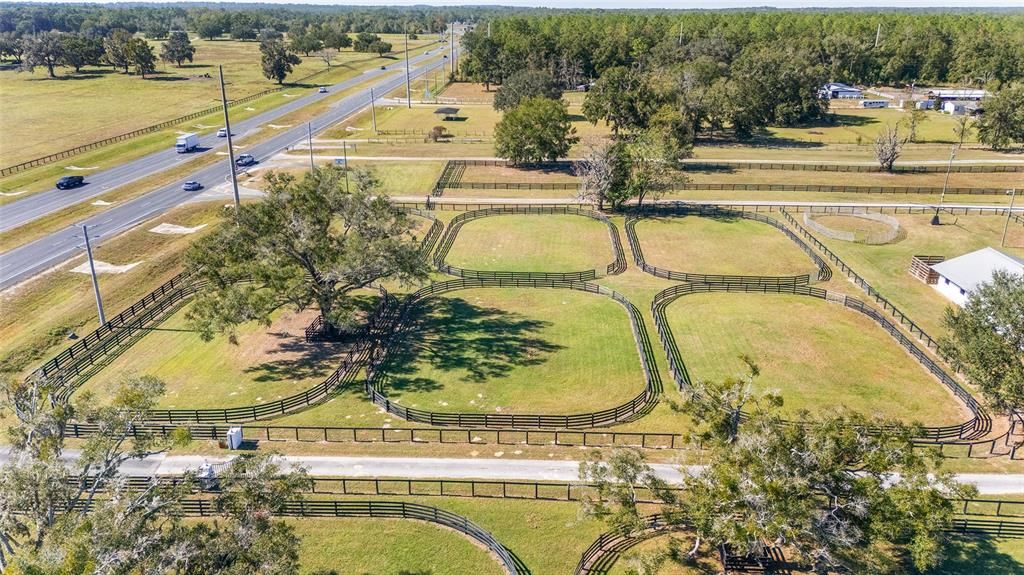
[(862, 168), (377, 510), (974, 428), (377, 370), (824, 271), (617, 266)]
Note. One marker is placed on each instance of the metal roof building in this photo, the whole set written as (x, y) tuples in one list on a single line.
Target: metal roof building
[(959, 276)]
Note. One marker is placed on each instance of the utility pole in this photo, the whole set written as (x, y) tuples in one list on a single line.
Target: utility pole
[(408, 88), (488, 28), (309, 140), (344, 151), (227, 127), (92, 271), (942, 197), (680, 42), (1009, 213), (451, 46), (373, 111), (878, 34)]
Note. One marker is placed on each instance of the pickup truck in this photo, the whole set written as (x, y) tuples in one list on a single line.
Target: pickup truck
[(186, 143)]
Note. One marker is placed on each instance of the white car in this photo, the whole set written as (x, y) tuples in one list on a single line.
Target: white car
[(222, 133), (322, 90)]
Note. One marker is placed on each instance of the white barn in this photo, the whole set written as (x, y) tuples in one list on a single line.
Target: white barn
[(959, 276), (839, 90)]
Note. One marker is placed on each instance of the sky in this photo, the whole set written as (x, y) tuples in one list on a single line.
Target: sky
[(706, 4)]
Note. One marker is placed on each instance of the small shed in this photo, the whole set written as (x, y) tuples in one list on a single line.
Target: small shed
[(447, 113), (959, 276)]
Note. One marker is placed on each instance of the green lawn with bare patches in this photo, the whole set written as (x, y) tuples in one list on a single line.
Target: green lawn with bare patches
[(713, 245), (816, 354), (266, 364), (539, 243)]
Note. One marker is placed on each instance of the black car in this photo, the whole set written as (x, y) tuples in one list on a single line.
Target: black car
[(68, 182)]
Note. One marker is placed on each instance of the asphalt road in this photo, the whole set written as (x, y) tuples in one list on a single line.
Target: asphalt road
[(27, 260), (456, 468)]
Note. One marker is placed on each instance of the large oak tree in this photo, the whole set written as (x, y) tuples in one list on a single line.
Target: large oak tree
[(309, 242)]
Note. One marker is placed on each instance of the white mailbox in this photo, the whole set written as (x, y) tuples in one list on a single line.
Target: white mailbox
[(234, 437)]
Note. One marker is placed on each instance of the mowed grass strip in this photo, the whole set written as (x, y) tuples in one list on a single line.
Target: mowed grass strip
[(872, 179), (497, 350), (536, 243), (266, 364), (818, 355), (389, 546), (886, 267), (720, 245)]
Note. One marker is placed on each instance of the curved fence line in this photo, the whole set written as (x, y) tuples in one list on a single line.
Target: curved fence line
[(639, 405), (433, 234), (604, 551), (617, 266), (874, 238), (974, 428), (377, 510), (862, 283), (824, 271)]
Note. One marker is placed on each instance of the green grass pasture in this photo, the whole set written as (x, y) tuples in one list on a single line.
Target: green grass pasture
[(539, 243), (726, 246), (816, 354), (496, 350)]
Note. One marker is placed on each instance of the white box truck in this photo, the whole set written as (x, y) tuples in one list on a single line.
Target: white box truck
[(186, 143)]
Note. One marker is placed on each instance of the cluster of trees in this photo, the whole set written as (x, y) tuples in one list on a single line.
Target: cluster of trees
[(367, 42), (699, 74), (240, 21), (119, 48), (80, 515)]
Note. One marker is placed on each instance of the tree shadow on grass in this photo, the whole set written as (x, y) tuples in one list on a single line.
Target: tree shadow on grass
[(306, 360), (966, 555), (478, 343)]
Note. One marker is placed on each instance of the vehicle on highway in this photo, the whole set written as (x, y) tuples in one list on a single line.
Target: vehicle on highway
[(383, 67), (222, 133), (446, 56), (186, 143), (322, 90), (68, 182), (245, 160), (191, 186)]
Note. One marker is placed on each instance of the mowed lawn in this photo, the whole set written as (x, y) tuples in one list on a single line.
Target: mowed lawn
[(388, 547), (267, 363), (705, 562), (818, 355), (498, 350), (42, 115), (886, 267), (726, 246), (535, 243), (855, 125)]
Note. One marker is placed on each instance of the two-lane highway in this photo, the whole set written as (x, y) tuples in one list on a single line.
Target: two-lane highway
[(23, 211), (25, 261)]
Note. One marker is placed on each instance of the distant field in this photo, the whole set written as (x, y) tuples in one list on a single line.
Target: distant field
[(816, 354), (863, 125), (875, 179), (42, 116)]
